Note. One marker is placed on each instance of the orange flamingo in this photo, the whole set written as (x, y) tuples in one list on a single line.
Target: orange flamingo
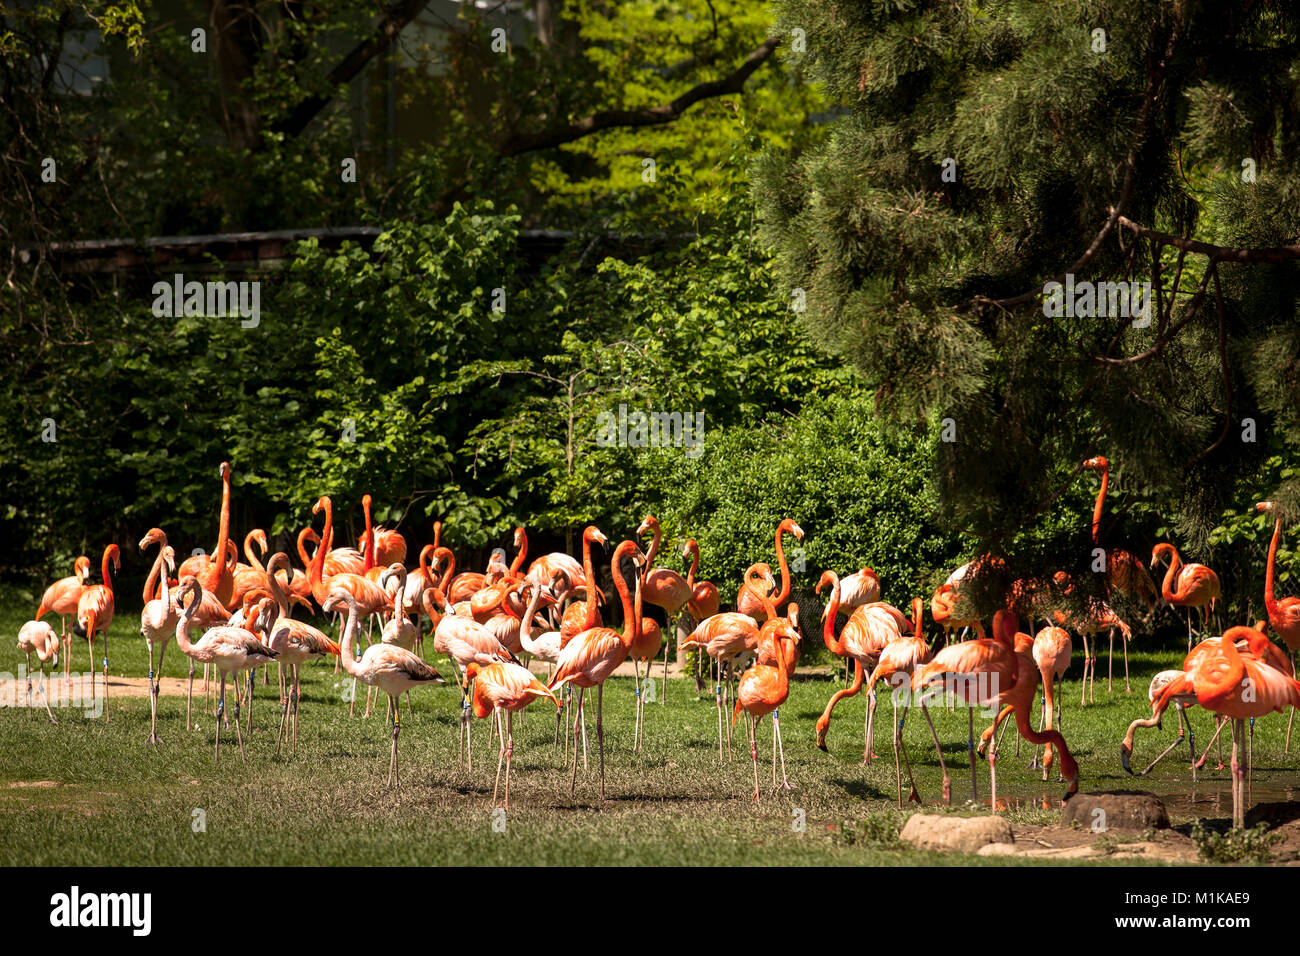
[(951, 606), (705, 600), (392, 669), (95, 614), (1284, 615), (581, 615), (1052, 652), (1096, 616), (509, 687), (39, 638), (1237, 686), (215, 574), (389, 547), (663, 588), (61, 597), (900, 659), (589, 659), (644, 648), (869, 630), (465, 642), (1124, 572), (747, 602), (976, 672), (762, 690), (726, 636), (859, 588), (1186, 585)]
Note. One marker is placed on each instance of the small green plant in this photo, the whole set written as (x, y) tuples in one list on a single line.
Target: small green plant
[(878, 831), (1234, 846)]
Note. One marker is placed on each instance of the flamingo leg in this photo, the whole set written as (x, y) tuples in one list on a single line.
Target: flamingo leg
[(43, 684), (1127, 688), (636, 691), (577, 720), (600, 734), (1178, 740), (221, 712), (1110, 664), (663, 698), (1237, 815), (753, 753), (970, 749), (189, 695), (395, 771), (717, 698), (239, 734), (915, 795), (29, 685), (297, 700), (993, 774), (868, 749), (780, 747), (510, 749), (1221, 722), (947, 781), (898, 769), (501, 755)]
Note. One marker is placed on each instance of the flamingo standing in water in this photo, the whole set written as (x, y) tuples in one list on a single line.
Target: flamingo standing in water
[(975, 671), (39, 638), (1284, 615), (95, 613), (1237, 686), (392, 669), (509, 687), (900, 658), (1181, 702), (1186, 585), (589, 659), (1052, 651), (61, 597), (231, 649), (663, 588)]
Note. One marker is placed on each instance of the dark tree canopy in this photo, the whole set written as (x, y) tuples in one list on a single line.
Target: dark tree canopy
[(1118, 140)]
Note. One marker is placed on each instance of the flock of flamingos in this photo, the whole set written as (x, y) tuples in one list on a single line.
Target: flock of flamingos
[(485, 622)]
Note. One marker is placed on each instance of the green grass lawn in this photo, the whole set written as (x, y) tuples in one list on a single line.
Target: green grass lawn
[(86, 792)]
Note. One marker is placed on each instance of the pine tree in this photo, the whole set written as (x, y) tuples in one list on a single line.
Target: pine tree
[(987, 149)]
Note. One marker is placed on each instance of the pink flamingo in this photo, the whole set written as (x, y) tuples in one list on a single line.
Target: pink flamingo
[(392, 669), (589, 659)]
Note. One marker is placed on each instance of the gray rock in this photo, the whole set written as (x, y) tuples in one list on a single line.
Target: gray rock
[(928, 831), (1116, 810)]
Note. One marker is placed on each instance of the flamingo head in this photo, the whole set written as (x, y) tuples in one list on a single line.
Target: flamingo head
[(1269, 506), (648, 526), (1096, 464)]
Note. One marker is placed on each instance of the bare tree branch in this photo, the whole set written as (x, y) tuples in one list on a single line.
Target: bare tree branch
[(648, 116)]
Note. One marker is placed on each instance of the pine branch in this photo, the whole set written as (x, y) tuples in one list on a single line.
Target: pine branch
[(1155, 79)]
